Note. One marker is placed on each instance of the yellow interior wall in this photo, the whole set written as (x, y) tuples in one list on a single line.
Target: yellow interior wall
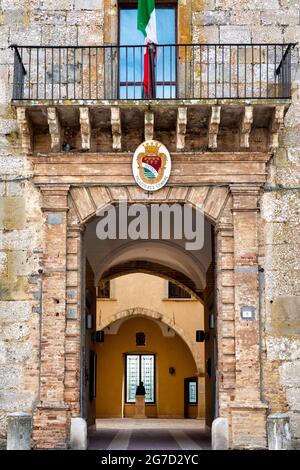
[(150, 292), (169, 352)]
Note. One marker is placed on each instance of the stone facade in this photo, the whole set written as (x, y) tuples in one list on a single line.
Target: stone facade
[(28, 245)]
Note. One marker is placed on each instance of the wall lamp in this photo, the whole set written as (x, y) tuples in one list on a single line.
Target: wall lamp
[(201, 336), (99, 336)]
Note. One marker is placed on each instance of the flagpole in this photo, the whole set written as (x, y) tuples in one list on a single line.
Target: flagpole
[(146, 23), (152, 54)]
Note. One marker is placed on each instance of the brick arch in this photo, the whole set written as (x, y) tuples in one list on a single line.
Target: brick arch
[(154, 270), (154, 315), (85, 201), (192, 266)]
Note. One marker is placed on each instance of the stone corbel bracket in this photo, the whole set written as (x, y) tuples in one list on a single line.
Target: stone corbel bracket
[(276, 123), (85, 128), (181, 128), (54, 129), (213, 127), (246, 126), (116, 128), (149, 125), (25, 130)]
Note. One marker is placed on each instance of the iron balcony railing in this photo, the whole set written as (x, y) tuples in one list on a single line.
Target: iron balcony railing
[(179, 71)]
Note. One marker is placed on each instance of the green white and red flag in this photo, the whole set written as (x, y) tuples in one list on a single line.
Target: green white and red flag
[(146, 23)]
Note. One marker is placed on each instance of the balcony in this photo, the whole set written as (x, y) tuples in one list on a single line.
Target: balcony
[(197, 90)]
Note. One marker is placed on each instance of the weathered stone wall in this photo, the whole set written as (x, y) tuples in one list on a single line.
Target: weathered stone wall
[(21, 221), (273, 21)]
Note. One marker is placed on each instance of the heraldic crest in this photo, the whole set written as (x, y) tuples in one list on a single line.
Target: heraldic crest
[(151, 165)]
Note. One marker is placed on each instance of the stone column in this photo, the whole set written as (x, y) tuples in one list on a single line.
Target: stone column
[(248, 413), (51, 417)]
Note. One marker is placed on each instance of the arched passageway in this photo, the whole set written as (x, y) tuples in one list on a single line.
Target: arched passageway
[(162, 360), (135, 263)]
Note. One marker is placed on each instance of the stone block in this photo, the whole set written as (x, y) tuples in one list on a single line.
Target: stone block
[(283, 348), (279, 434), (88, 5), (244, 17), (18, 239), (14, 311), (12, 165), (220, 434), (15, 332), (267, 34), (10, 375), (19, 431), (293, 398), (7, 126), (246, 5), (290, 374), (15, 189), (291, 34), (23, 35), (94, 33), (2, 188), (280, 17), (18, 353), (235, 34), (293, 156), (281, 233), (285, 315), (59, 36), (211, 18), (203, 34), (40, 16), (14, 288), (78, 435), (18, 264), (281, 207), (3, 263), (4, 36), (85, 18), (281, 283)]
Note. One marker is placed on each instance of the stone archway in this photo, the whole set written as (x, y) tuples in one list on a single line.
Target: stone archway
[(157, 316), (232, 209), (161, 345)]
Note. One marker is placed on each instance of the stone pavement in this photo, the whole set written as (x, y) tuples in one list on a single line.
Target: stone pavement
[(149, 434)]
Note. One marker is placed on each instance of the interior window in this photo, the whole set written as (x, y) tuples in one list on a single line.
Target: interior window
[(192, 392), (104, 289), (177, 292), (140, 367)]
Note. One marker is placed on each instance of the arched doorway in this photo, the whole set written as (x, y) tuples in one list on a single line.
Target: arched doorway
[(162, 360), (108, 260), (69, 210)]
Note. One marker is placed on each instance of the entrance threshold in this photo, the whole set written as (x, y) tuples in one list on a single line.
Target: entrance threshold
[(149, 434), (149, 423)]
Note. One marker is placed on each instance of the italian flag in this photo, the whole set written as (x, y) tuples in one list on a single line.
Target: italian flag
[(146, 23)]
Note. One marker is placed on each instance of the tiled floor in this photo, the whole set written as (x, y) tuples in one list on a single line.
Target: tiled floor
[(149, 434)]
